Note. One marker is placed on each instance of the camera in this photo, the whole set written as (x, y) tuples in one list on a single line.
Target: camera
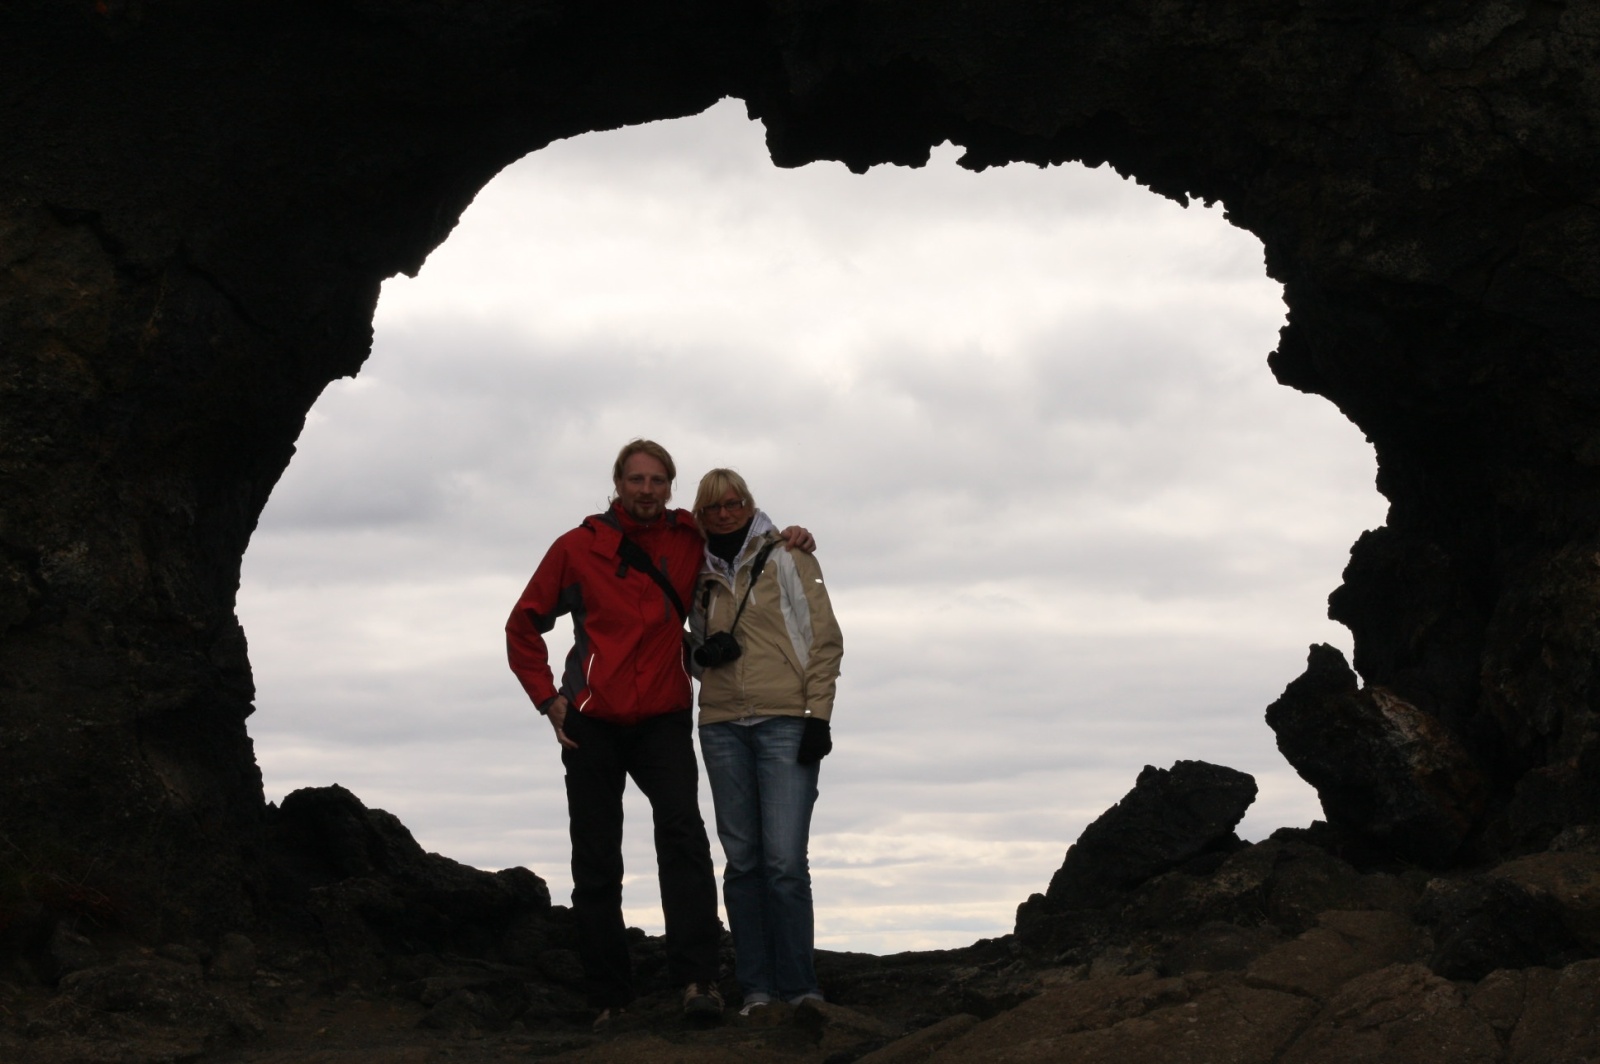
[(718, 649)]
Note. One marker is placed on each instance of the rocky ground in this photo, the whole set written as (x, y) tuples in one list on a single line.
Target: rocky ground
[(1357, 985), (1163, 937)]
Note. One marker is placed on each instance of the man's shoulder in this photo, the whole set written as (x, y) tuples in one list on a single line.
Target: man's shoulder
[(589, 533)]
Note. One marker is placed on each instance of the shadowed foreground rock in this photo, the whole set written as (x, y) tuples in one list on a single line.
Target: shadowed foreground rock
[(1200, 948)]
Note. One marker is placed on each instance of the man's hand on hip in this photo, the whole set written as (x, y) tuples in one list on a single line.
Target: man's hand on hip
[(557, 712)]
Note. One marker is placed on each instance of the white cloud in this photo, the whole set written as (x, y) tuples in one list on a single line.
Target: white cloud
[(1070, 524)]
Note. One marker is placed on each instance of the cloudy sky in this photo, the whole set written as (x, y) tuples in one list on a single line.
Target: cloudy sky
[(1070, 524)]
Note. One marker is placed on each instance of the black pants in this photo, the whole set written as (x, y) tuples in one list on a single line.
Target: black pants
[(659, 754)]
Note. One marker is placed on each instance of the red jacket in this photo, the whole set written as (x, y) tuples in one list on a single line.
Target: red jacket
[(627, 661)]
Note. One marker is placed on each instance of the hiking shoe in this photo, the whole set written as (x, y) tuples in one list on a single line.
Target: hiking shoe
[(751, 1006), (606, 1018), (701, 1002), (809, 995)]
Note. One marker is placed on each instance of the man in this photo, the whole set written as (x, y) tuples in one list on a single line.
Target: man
[(623, 708)]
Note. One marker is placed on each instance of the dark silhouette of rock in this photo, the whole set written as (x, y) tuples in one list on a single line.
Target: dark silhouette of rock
[(1383, 768), (1282, 884), (1279, 979), (373, 891), (1171, 816)]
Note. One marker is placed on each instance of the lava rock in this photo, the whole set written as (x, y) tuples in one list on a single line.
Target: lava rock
[(1341, 947), (918, 1046), (234, 960), (1171, 816), (154, 992), (65, 952), (1488, 922), (1383, 768), (374, 891), (1570, 880), (1124, 1020), (1401, 1013), (1218, 947)]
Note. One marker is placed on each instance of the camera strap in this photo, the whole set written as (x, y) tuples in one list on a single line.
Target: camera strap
[(755, 574), (633, 554)]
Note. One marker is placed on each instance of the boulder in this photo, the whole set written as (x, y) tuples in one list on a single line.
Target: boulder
[(1171, 816), (1570, 881), (1482, 923), (374, 891), (1384, 768)]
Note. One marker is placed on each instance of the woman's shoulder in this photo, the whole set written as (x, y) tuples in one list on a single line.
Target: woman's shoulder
[(764, 546)]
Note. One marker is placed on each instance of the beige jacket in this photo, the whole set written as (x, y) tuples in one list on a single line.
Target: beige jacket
[(791, 641)]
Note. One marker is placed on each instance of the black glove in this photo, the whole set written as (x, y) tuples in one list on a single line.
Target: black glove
[(815, 743)]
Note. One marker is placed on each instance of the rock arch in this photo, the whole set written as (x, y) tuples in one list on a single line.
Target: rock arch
[(199, 202)]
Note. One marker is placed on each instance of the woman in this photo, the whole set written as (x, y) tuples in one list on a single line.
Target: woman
[(767, 652)]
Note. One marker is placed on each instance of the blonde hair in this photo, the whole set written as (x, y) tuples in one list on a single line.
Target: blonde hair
[(715, 484), (649, 447)]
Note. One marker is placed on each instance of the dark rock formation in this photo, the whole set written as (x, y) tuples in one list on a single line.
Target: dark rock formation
[(1487, 923), (1384, 768), (376, 897), (1173, 817), (1160, 882), (1170, 817), (1279, 951), (199, 201), (1281, 883)]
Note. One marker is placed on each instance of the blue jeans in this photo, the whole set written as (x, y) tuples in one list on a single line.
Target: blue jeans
[(763, 799)]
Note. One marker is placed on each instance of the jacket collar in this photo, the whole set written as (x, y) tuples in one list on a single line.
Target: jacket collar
[(760, 525), (611, 526)]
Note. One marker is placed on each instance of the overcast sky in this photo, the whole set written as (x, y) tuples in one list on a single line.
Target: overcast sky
[(1070, 524)]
